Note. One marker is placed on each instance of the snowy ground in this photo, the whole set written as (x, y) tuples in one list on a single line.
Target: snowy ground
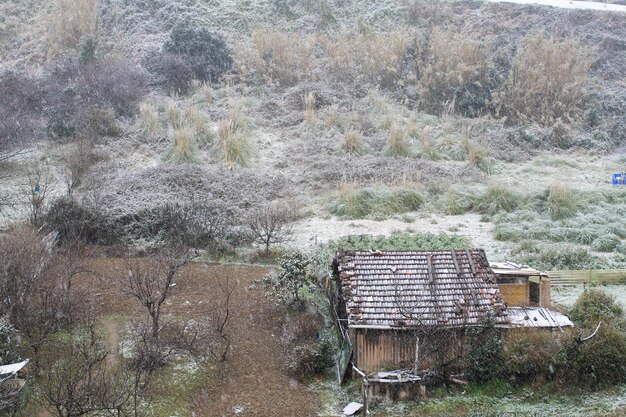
[(567, 296), (566, 4)]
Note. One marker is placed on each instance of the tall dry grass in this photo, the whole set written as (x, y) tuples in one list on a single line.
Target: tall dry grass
[(453, 62), (377, 57), (284, 58), (397, 143), (68, 22), (353, 142), (309, 108), (547, 80), (232, 135)]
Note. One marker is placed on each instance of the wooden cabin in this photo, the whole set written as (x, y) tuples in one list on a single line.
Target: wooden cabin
[(386, 300), (521, 285), (394, 308)]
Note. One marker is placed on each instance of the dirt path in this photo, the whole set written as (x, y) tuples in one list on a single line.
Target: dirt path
[(254, 384), (113, 341)]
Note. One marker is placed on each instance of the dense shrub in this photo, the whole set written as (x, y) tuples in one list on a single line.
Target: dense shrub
[(190, 223), (191, 52), (534, 354), (87, 98), (601, 361), (484, 357), (606, 243), (308, 351), (75, 222), (594, 306), (20, 109), (399, 241)]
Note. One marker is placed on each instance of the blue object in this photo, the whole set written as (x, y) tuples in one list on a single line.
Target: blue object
[(619, 178)]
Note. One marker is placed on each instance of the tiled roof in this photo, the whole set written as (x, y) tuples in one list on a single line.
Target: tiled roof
[(418, 288)]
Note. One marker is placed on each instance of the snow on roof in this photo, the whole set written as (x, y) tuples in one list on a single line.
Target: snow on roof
[(539, 317), (510, 268), (12, 368)]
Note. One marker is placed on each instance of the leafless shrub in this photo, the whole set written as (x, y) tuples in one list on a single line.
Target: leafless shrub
[(547, 80), (38, 296), (36, 192), (151, 282), (453, 74), (270, 224), (279, 57), (77, 380), (77, 164), (20, 110), (86, 98)]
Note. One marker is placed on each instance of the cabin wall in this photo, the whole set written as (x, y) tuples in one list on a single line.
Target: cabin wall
[(384, 350), (378, 350), (515, 294)]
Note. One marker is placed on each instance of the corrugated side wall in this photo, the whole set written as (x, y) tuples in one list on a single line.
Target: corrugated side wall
[(545, 300), (515, 294)]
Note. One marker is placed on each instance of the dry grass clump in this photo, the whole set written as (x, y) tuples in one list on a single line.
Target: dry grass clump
[(398, 143), (428, 145), (561, 201), (309, 108), (278, 57), (375, 56), (149, 119), (353, 142), (232, 136), (547, 80), (69, 22), (454, 64), (183, 145), (172, 112), (466, 149), (200, 123)]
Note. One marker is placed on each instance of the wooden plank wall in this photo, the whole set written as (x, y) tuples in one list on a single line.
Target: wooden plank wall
[(515, 294), (561, 278), (381, 349)]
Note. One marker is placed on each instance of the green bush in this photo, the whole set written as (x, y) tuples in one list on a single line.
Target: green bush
[(484, 358), (499, 198), (606, 243), (594, 306), (359, 203), (401, 241), (534, 354), (601, 361), (561, 256)]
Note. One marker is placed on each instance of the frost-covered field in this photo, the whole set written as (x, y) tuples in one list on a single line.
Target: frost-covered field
[(567, 296)]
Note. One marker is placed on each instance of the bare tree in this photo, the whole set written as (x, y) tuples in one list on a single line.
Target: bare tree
[(151, 281), (78, 381), (270, 224), (77, 164), (36, 191)]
